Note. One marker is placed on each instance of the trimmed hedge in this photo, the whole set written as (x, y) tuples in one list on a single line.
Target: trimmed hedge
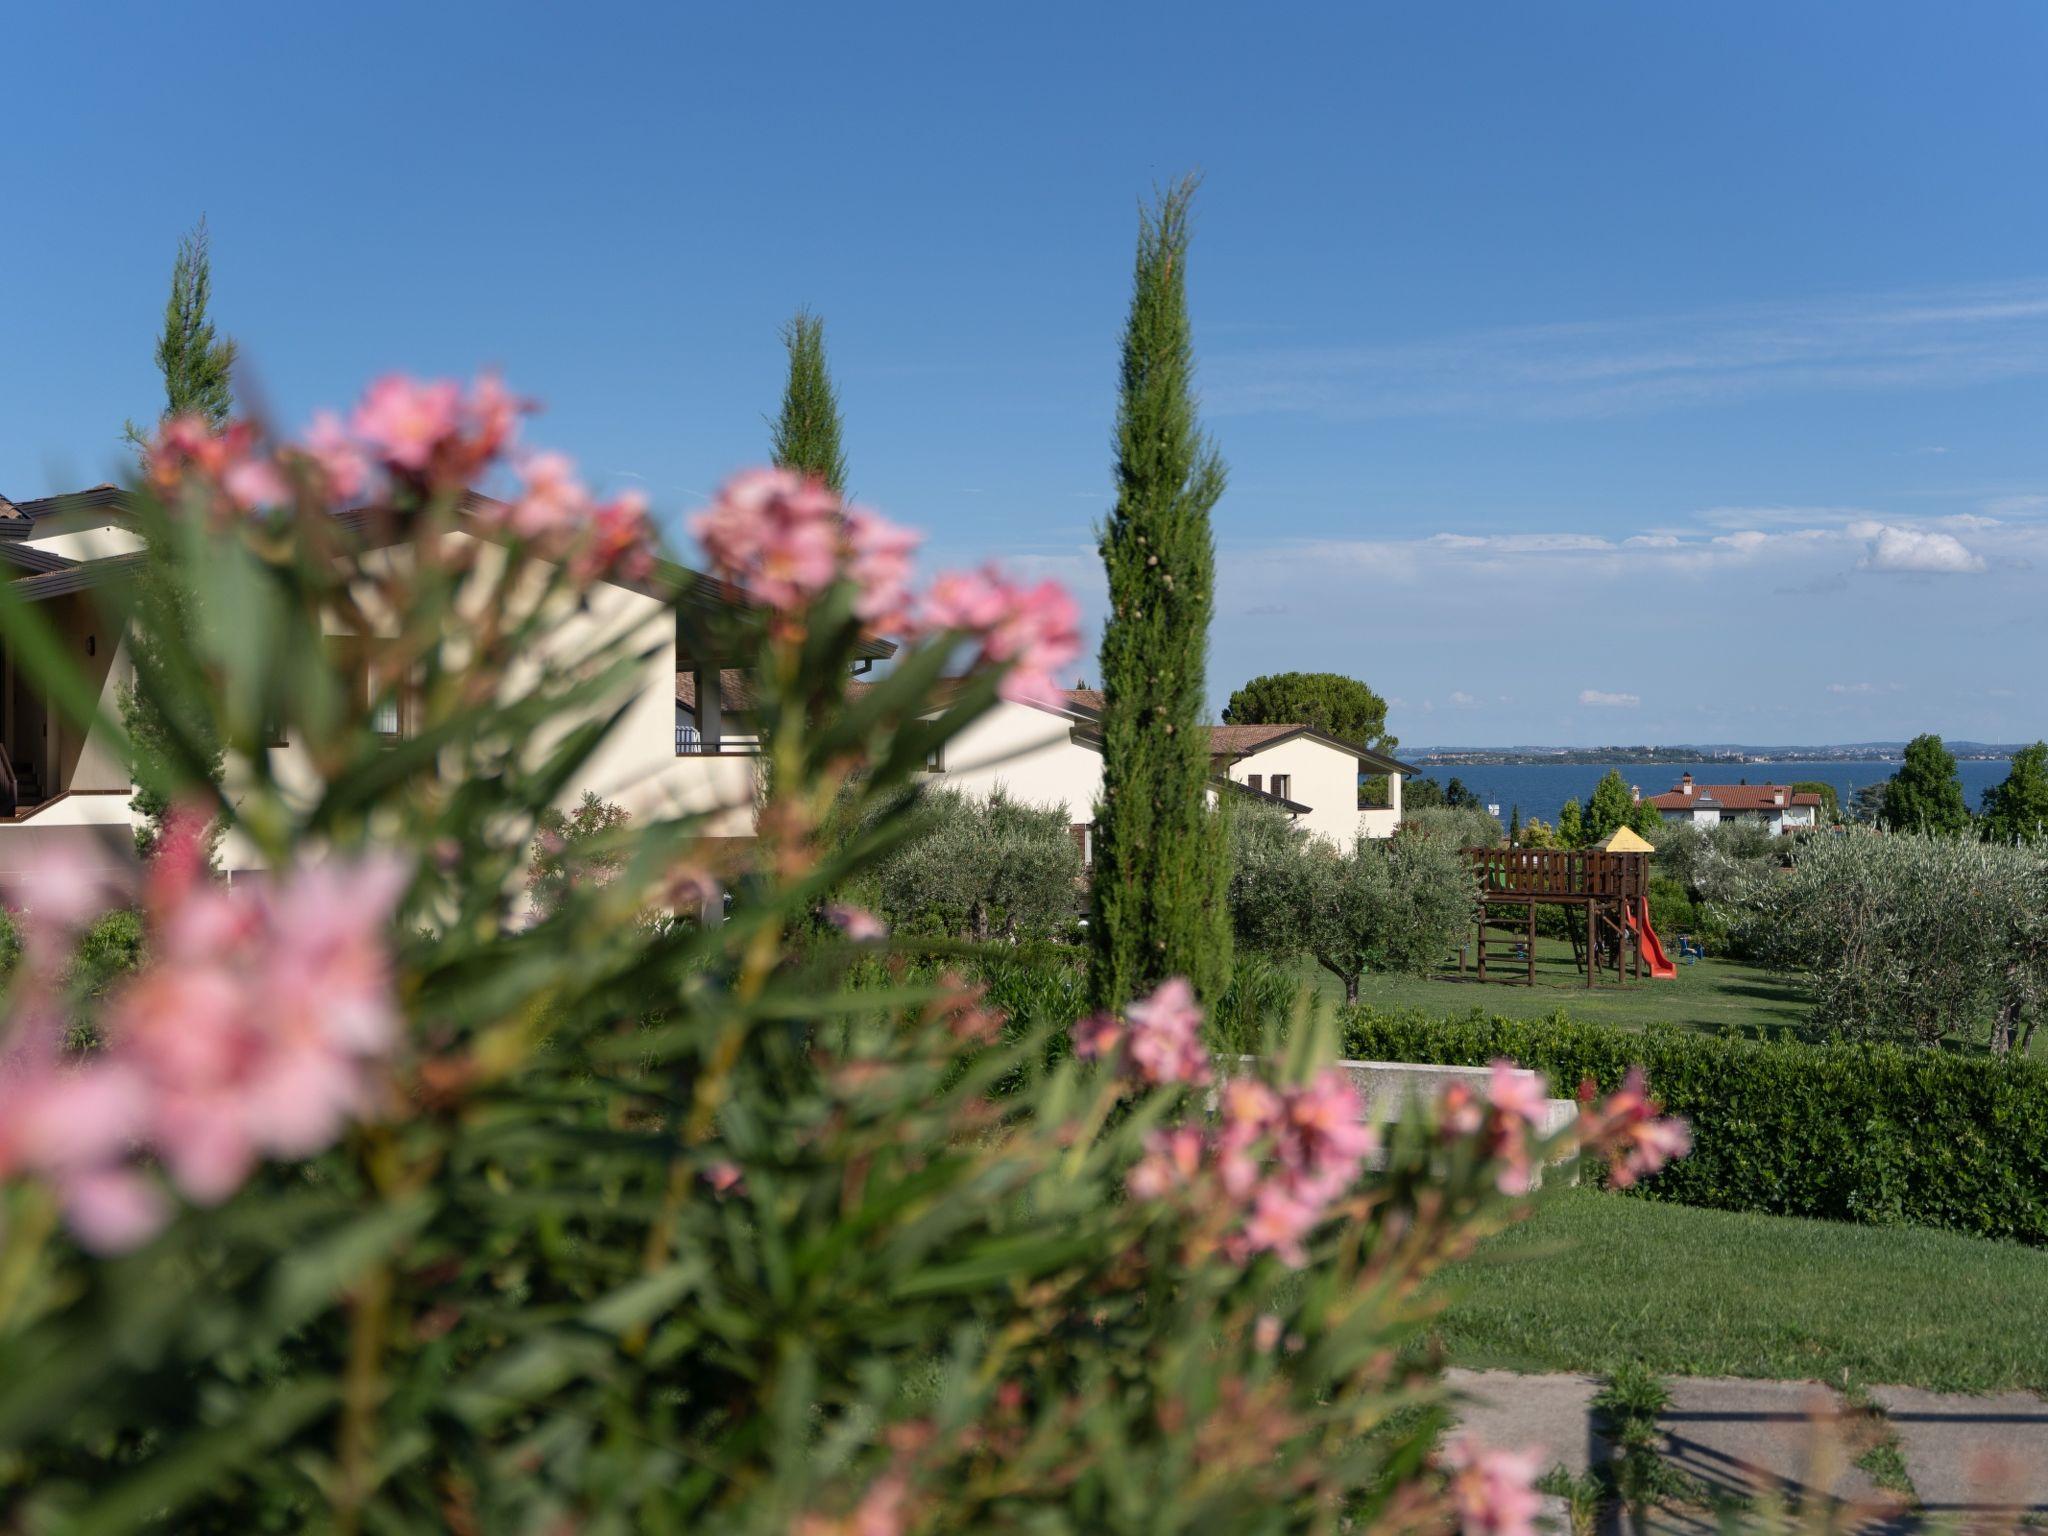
[(1867, 1133)]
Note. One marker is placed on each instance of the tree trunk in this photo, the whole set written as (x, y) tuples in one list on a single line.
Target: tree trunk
[(1351, 989)]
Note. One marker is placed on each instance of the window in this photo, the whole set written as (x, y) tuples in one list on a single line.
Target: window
[(384, 715), (1281, 782), (935, 759), (1083, 833), (1253, 780)]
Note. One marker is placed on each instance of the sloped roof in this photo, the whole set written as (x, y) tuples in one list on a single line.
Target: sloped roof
[(735, 690), (1238, 741), (1732, 797), (1625, 840), (37, 562), (668, 579)]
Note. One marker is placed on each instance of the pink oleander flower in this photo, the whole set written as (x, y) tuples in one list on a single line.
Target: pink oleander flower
[(1323, 1139), (1171, 1161), (407, 421), (1097, 1036), (253, 484), (57, 892), (880, 556), (74, 1126), (258, 1024), (858, 924), (1030, 632), (620, 541), (725, 1177), (343, 467), (430, 430), (775, 533), (1459, 1112), (1493, 1491), (1632, 1131), (1165, 1044), (1037, 638), (1279, 1223), (553, 500), (230, 462), (1517, 1094)]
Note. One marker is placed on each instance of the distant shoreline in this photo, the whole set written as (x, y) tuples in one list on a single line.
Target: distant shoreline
[(1734, 757)]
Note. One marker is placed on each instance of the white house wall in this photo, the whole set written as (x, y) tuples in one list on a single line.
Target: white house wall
[(1031, 755), (1325, 779), (91, 542)]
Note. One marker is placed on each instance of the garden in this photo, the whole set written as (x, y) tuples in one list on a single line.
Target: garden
[(490, 1155)]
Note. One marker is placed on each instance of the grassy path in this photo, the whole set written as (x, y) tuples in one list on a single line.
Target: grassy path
[(1596, 1280)]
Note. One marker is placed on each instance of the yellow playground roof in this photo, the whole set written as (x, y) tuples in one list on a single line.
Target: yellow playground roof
[(1625, 840)]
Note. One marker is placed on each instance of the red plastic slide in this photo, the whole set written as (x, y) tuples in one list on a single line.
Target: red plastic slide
[(1653, 948)]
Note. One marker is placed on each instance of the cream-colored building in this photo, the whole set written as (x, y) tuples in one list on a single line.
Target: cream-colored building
[(685, 744), (1053, 757), (63, 786)]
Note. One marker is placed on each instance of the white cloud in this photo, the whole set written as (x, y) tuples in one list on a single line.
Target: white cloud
[(1929, 339), (1463, 699), (1862, 690), (1597, 699), (1918, 551)]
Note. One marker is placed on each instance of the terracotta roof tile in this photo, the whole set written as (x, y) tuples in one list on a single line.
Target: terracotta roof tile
[(1231, 740), (735, 690), (1732, 797)]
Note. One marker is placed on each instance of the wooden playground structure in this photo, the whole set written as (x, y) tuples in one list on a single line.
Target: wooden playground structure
[(1611, 887)]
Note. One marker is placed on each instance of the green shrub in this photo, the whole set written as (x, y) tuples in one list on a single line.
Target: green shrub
[(110, 949), (1868, 1133), (979, 869)]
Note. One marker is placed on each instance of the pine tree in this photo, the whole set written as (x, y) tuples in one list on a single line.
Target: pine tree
[(1612, 806), (1515, 827), (1925, 795), (1161, 861), (198, 366), (1571, 825), (807, 432)]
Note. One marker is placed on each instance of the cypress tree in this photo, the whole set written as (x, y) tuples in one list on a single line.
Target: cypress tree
[(807, 431), (197, 367), (1161, 862)]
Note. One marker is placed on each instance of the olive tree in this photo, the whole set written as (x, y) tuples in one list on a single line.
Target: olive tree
[(982, 869), (1912, 939), (1392, 904)]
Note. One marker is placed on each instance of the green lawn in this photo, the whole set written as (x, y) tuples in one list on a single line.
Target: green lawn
[(1718, 995), (1595, 1280)]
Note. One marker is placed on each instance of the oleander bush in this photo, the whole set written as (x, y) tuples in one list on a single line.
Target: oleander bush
[(1870, 1133), (385, 1200)]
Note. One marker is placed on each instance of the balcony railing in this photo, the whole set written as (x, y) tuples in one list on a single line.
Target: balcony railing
[(690, 743)]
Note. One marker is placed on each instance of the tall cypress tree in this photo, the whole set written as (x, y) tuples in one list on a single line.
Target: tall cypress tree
[(198, 365), (807, 431), (1161, 862)]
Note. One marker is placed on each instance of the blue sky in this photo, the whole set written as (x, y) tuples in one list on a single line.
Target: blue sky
[(1587, 373)]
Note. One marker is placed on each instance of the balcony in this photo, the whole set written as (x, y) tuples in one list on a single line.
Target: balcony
[(690, 743)]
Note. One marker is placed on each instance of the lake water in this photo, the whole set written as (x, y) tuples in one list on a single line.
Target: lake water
[(1541, 789)]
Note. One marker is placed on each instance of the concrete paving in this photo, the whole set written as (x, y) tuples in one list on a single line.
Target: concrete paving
[(1974, 1460), (1553, 1414), (1740, 1437), (1972, 1456)]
